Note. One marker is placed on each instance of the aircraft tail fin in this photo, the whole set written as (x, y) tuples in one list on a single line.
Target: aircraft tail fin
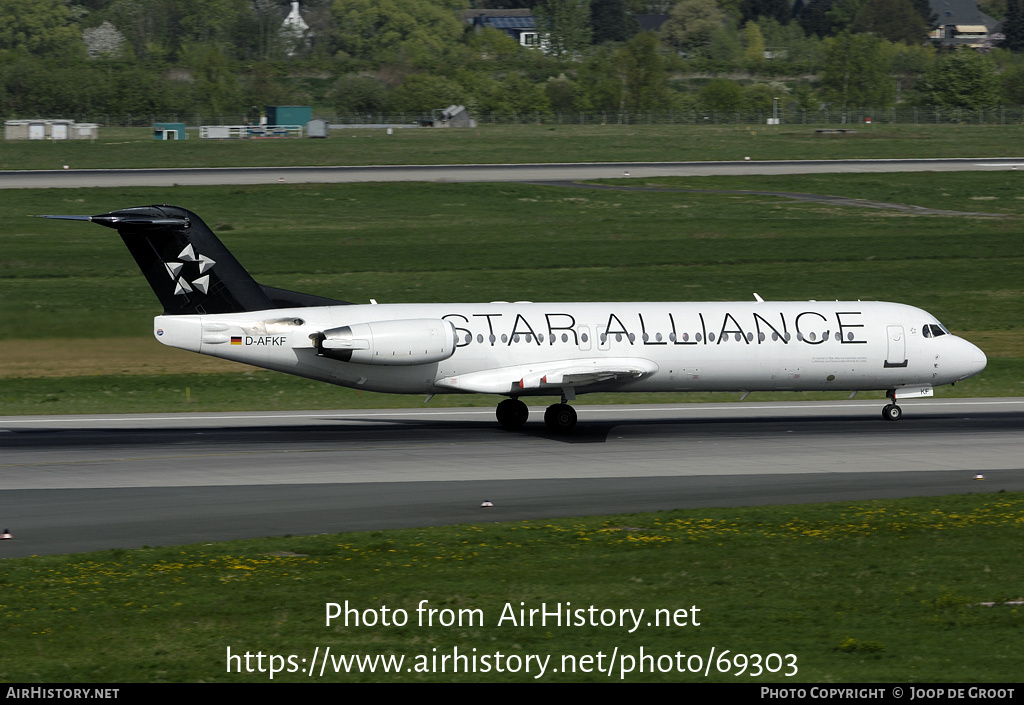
[(188, 267)]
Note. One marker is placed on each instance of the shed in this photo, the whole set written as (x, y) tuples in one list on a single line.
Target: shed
[(16, 129), (317, 128), (169, 131), (39, 129), (85, 131), (289, 114)]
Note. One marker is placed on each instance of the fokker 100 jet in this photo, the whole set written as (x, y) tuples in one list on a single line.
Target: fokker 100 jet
[(523, 349)]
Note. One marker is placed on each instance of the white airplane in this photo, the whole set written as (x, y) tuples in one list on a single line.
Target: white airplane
[(523, 349)]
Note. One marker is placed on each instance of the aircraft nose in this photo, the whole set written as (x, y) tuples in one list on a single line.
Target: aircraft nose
[(976, 360)]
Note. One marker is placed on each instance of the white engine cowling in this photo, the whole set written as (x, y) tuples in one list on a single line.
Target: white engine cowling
[(417, 341)]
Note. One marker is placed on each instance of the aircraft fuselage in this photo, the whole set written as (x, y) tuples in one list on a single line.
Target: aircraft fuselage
[(508, 348)]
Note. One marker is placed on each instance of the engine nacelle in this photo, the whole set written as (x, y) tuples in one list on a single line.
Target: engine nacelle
[(416, 341)]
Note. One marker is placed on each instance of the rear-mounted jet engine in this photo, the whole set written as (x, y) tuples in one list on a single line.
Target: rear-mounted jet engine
[(417, 341)]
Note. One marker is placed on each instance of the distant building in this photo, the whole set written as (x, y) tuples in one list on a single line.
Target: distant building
[(961, 23), (294, 30), (50, 130), (452, 116), (519, 24)]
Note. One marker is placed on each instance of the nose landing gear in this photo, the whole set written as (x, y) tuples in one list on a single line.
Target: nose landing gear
[(891, 412)]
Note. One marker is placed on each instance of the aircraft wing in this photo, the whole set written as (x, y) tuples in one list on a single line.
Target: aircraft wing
[(551, 375)]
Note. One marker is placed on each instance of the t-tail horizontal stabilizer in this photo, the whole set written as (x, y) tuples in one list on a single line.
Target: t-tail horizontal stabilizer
[(188, 267)]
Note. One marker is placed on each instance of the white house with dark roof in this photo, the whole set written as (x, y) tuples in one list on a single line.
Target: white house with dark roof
[(961, 23), (520, 24)]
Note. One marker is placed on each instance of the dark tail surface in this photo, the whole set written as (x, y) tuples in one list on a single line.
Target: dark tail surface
[(188, 267)]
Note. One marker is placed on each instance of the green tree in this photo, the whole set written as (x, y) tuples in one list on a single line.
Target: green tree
[(726, 46), (753, 42), (721, 95), (643, 74), (780, 10), (149, 28), (599, 86), (760, 96), (516, 95), (160, 31), (692, 25), (356, 94), (215, 21), (421, 93), (895, 20), (804, 99), (813, 18), (41, 27), (962, 79), (266, 29), (856, 71), (841, 13), (216, 83), (924, 8), (495, 47), (610, 21), (421, 33), (264, 85), (562, 93), (1013, 84), (792, 51), (1013, 26), (565, 24), (909, 63)]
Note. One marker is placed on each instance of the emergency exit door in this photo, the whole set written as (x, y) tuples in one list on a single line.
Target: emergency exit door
[(896, 353)]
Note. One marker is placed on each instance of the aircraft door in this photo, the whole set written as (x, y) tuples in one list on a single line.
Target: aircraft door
[(896, 354)]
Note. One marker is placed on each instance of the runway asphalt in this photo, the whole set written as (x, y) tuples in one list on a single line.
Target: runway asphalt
[(459, 173), (82, 483)]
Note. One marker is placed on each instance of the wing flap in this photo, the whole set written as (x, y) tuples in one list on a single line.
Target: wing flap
[(551, 375)]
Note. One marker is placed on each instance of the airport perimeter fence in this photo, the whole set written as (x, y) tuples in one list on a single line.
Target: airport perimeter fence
[(999, 115)]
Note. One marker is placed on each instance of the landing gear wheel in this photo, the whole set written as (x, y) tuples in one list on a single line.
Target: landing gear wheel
[(512, 414), (560, 418), (891, 412)]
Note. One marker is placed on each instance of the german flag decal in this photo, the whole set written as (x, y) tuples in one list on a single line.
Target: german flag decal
[(236, 340)]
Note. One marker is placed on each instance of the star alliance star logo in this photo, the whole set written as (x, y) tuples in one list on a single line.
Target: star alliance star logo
[(175, 270)]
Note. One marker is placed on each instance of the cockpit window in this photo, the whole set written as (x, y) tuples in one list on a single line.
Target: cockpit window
[(932, 330)]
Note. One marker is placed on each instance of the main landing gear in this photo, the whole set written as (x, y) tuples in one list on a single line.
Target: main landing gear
[(559, 418), (512, 413), (891, 412)]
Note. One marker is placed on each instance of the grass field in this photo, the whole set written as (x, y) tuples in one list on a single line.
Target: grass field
[(886, 591), (76, 314), (511, 144)]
